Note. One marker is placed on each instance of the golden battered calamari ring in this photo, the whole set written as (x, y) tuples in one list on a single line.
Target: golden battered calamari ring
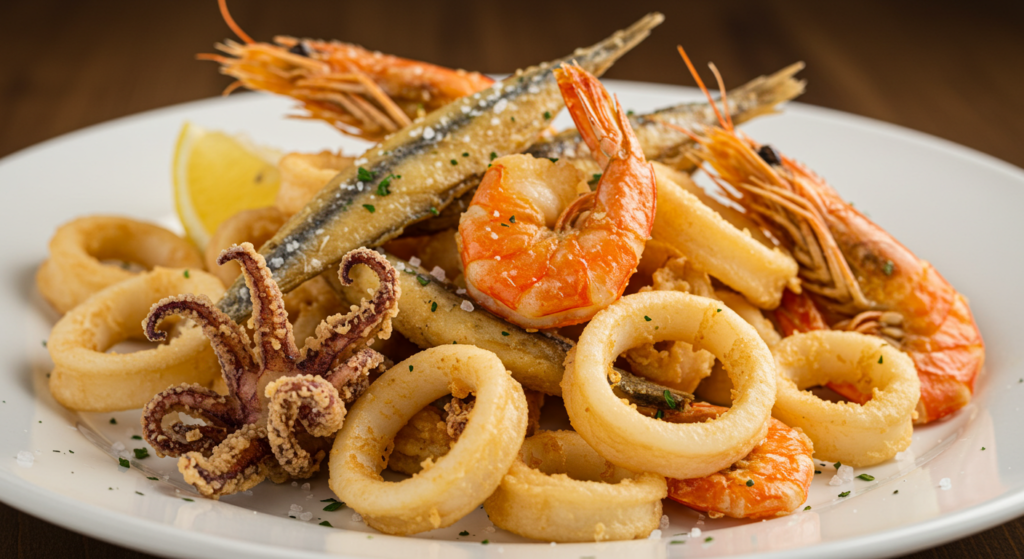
[(85, 378), (560, 489), (74, 271), (445, 491), (847, 432), (248, 226), (644, 444)]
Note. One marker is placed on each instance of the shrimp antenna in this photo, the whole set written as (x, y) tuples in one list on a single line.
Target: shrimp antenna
[(721, 89), (231, 22), (700, 83)]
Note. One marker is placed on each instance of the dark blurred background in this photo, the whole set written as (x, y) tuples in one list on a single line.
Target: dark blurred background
[(952, 69)]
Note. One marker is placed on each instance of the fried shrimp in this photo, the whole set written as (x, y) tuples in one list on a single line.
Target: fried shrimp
[(538, 248), (360, 92), (773, 480), (863, 278)]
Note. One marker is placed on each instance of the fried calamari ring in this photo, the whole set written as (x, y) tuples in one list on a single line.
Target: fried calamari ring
[(847, 432), (248, 226), (74, 270), (559, 489), (85, 378), (644, 444), (445, 491)]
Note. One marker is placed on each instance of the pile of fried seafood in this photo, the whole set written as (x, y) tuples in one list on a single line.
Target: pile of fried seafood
[(414, 307)]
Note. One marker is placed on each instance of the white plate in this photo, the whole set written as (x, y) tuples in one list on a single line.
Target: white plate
[(952, 206)]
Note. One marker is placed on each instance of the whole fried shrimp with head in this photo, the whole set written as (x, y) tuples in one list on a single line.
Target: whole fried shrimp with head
[(282, 403)]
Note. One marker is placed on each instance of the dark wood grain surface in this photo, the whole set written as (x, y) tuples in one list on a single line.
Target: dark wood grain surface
[(945, 68)]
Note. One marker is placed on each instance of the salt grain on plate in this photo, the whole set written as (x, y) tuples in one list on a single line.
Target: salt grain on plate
[(415, 261), (945, 484), (438, 273), (305, 487), (356, 517), (489, 529), (664, 522), (118, 446), (695, 533), (466, 306), (305, 516), (904, 455), (655, 535), (25, 459)]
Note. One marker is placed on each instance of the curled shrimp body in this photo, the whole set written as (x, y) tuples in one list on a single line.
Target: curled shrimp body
[(858, 274), (360, 92), (537, 246), (773, 480)]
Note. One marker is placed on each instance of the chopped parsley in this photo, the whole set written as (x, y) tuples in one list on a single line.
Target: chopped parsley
[(982, 448), (185, 273), (659, 414), (844, 494), (410, 368), (837, 465), (465, 154), (329, 500), (670, 400), (454, 162), (880, 359), (647, 318), (370, 208), (326, 523), (719, 310), (123, 462), (433, 306), (504, 333), (817, 471), (384, 186), (750, 483), (675, 542), (808, 507), (113, 421), (888, 267), (137, 493), (136, 438), (493, 156), (896, 492), (503, 224), (866, 477), (630, 112), (364, 175), (433, 210), (596, 177), (553, 159), (187, 499), (547, 115), (422, 280), (709, 539), (485, 542), (44, 343), (463, 533), (141, 453), (334, 506), (512, 219), (513, 119), (153, 478)]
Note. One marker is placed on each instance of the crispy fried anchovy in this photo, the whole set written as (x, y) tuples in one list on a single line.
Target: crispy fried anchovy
[(645, 393), (417, 171)]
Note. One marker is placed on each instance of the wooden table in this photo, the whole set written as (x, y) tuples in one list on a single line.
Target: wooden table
[(948, 70)]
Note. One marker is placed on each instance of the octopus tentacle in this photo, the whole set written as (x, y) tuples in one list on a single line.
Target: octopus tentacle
[(220, 413), (230, 342), (273, 335), (338, 336), (307, 400), (351, 378), (237, 464)]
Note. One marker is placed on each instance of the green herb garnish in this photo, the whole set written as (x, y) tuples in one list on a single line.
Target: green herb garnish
[(493, 156), (433, 306), (866, 477), (750, 483), (844, 494), (670, 400), (454, 162), (364, 175), (370, 208), (463, 533), (547, 115), (880, 359), (659, 414), (136, 438), (647, 318), (113, 421), (808, 507), (888, 267), (422, 280), (553, 159), (334, 506), (504, 333), (123, 462), (434, 211), (141, 453), (185, 273), (326, 523)]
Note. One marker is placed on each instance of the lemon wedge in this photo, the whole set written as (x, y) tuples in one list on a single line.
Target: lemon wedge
[(217, 175)]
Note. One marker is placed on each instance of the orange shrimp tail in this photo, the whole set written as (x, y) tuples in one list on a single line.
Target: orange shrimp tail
[(223, 4)]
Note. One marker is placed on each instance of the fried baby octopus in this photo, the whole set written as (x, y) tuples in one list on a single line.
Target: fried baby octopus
[(245, 437)]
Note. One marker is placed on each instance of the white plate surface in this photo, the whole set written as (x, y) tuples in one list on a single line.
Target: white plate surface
[(950, 205)]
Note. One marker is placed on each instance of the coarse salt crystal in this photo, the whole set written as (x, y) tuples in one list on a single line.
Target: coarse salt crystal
[(655, 535), (295, 508), (314, 263), (496, 213), (695, 533), (945, 484), (415, 261), (117, 446), (438, 273), (276, 262), (25, 459), (356, 517), (400, 266), (460, 291), (845, 473), (500, 106), (835, 481), (489, 529), (494, 235), (466, 306), (904, 455), (664, 522), (495, 121), (295, 484), (305, 487), (428, 133), (533, 89), (247, 492), (305, 516)]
